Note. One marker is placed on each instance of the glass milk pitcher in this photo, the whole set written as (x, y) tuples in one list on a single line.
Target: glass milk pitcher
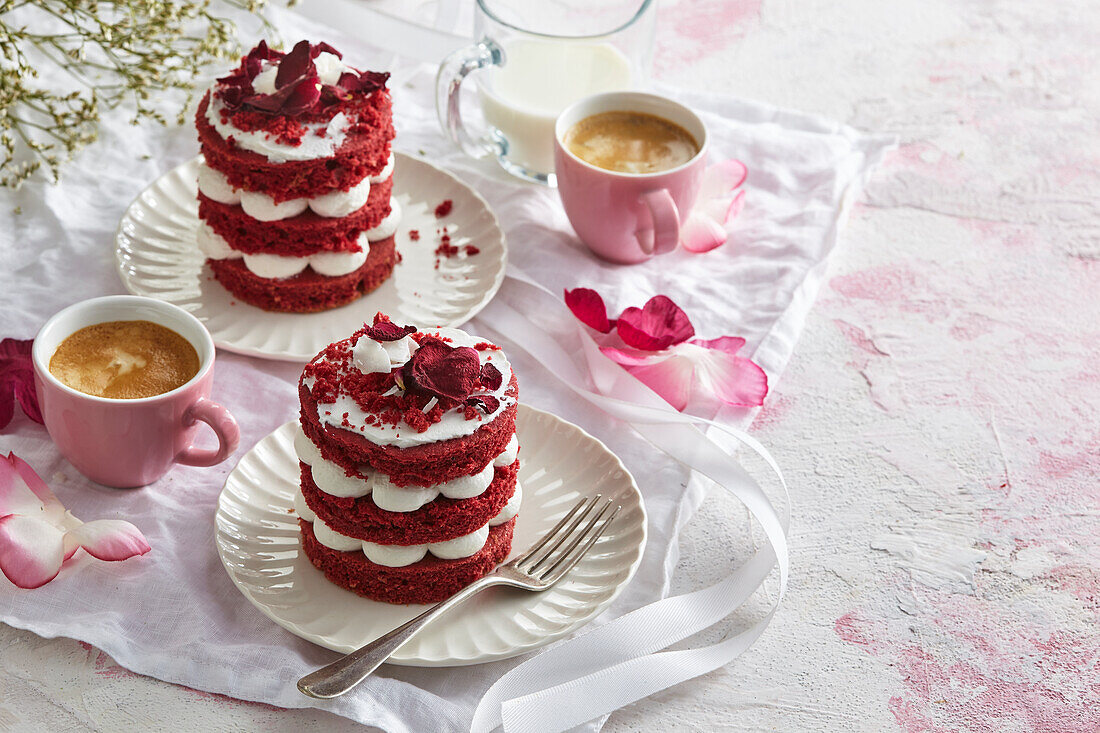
[(535, 58)]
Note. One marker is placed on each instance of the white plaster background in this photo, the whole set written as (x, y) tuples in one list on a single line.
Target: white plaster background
[(938, 422)]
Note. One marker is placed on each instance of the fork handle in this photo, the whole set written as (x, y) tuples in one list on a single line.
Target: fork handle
[(345, 673)]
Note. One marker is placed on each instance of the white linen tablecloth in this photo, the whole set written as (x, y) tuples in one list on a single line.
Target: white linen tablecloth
[(174, 614)]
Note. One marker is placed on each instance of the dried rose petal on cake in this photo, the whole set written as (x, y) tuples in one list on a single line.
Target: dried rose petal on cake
[(442, 370)]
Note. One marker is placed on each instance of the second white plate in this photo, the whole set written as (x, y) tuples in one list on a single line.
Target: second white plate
[(158, 257), (258, 541)]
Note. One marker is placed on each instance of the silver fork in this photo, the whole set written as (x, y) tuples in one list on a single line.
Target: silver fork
[(537, 569)]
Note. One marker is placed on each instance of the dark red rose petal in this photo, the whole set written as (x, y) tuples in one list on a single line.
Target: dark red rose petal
[(442, 370), (296, 64), (366, 81), (261, 52), (491, 378), (656, 326), (290, 100), (389, 331), (17, 380), (322, 47), (589, 308), (487, 403)]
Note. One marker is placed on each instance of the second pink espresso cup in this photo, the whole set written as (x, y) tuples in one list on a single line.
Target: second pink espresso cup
[(128, 443), (628, 217)]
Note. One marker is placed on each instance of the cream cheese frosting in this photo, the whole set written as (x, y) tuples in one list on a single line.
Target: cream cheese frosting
[(214, 185), (386, 172), (396, 556), (273, 267), (388, 226), (322, 140), (453, 423), (332, 479)]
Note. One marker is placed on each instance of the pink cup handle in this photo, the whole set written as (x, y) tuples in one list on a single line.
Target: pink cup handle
[(224, 426), (665, 234)]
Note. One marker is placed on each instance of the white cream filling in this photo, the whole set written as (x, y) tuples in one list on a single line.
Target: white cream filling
[(334, 205), (332, 479), (302, 509), (510, 509), (386, 172), (335, 264), (332, 539), (214, 185), (388, 226), (313, 146), (329, 264), (274, 267), (262, 207), (213, 245), (337, 204), (453, 424), (510, 454), (396, 556)]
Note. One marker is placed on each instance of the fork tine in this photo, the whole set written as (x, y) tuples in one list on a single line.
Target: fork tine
[(562, 537), (572, 554), (552, 533)]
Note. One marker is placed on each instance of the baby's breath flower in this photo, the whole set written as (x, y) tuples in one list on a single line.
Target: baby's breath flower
[(114, 52)]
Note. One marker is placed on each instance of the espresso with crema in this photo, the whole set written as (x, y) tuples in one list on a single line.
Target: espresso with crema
[(631, 142), (125, 360)]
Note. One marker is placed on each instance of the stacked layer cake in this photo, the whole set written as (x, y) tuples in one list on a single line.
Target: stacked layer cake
[(409, 461), (295, 188)]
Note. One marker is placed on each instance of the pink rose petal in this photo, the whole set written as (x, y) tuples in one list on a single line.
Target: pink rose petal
[(31, 550), (701, 233), (734, 208), (107, 539), (632, 358), (54, 511), (656, 326), (671, 378), (729, 344), (15, 496), (733, 379), (589, 308), (721, 178)]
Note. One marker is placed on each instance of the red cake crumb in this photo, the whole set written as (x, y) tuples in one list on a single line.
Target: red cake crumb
[(306, 292), (471, 250), (428, 581), (414, 235), (443, 209), (437, 521)]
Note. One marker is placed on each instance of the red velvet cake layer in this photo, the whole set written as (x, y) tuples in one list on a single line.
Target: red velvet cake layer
[(364, 153), (306, 292), (305, 234), (422, 465), (428, 581), (437, 521)]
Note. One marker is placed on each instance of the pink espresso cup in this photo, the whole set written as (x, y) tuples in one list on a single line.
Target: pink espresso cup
[(628, 217), (127, 443)]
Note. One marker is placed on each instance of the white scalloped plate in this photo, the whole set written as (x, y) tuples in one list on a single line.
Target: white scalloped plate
[(258, 541), (158, 257)]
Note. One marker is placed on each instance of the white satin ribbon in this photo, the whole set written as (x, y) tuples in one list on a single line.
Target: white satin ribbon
[(621, 662)]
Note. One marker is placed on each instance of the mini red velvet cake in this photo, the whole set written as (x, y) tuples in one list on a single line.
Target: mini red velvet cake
[(409, 461), (295, 188)]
